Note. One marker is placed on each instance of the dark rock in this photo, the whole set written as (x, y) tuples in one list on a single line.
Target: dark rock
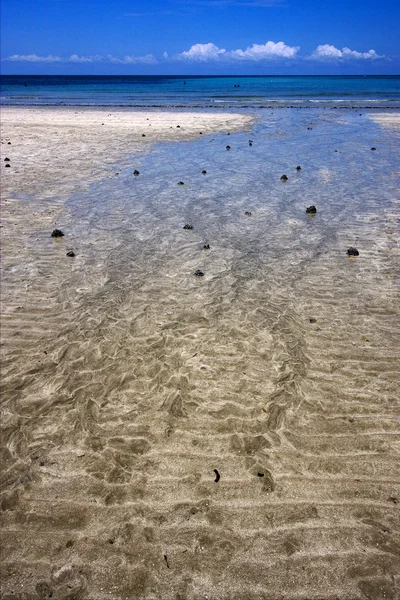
[(250, 144), (7, 165), (206, 247), (309, 128), (373, 149), (250, 141), (9, 143), (352, 252), (298, 168), (200, 133), (247, 213), (312, 320), (188, 226), (311, 210), (198, 273), (57, 233), (136, 172), (284, 178), (228, 133), (181, 183), (71, 253), (204, 172), (228, 147), (143, 135), (335, 150), (178, 126), (6, 159)]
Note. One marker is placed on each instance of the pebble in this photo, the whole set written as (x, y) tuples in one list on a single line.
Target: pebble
[(247, 213), (312, 320), (298, 168), (7, 165), (187, 226), (228, 147), (6, 159), (198, 273), (57, 233), (373, 149), (206, 247), (71, 253), (311, 210), (284, 178), (136, 172), (204, 172), (181, 183), (352, 252), (143, 135)]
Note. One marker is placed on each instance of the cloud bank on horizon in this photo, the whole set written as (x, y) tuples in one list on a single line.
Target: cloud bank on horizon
[(209, 52)]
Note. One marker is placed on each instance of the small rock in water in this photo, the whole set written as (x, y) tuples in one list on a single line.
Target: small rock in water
[(228, 147), (312, 320), (284, 178), (178, 125), (9, 143), (204, 172), (373, 149), (71, 253), (206, 247), (247, 213), (136, 172), (7, 165), (311, 210), (250, 143), (181, 183), (200, 133), (309, 128), (198, 273), (6, 159), (188, 226), (57, 233), (352, 252), (143, 135), (298, 168)]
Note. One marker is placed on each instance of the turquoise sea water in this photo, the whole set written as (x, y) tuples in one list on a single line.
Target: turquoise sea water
[(203, 92)]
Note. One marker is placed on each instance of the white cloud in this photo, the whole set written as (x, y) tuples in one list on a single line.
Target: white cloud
[(328, 52), (265, 51), (256, 52), (202, 52), (75, 58), (34, 58)]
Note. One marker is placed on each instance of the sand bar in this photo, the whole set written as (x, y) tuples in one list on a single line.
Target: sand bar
[(56, 150)]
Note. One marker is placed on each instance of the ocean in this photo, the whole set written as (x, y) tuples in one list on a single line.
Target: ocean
[(203, 92)]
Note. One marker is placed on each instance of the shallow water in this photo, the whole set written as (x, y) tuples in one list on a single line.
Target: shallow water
[(127, 379)]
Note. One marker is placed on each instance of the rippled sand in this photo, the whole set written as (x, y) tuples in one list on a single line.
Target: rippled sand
[(230, 436)]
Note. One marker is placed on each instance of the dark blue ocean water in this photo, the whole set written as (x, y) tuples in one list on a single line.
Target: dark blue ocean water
[(203, 92)]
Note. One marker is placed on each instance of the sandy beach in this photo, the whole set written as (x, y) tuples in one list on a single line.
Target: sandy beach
[(181, 422)]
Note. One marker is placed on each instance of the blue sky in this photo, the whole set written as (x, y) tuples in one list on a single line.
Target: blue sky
[(200, 36)]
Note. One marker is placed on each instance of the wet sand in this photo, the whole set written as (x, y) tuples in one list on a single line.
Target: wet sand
[(231, 436)]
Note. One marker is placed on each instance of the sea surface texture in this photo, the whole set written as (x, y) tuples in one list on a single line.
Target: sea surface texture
[(229, 434), (200, 92)]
